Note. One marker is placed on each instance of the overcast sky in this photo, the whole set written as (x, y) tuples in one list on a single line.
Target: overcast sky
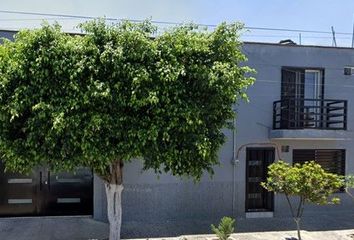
[(317, 15)]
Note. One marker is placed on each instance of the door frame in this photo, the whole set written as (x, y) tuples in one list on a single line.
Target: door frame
[(248, 150)]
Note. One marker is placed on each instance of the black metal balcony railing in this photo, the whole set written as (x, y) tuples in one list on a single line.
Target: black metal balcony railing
[(297, 113)]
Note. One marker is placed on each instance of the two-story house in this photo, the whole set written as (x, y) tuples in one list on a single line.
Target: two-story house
[(300, 109), (301, 103)]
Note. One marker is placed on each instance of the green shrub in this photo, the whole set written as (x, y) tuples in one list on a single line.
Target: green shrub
[(225, 228)]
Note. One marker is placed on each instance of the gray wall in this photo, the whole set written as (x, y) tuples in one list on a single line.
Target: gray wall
[(152, 198), (268, 59), (147, 198)]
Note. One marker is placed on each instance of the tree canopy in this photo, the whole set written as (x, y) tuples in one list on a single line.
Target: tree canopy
[(119, 92)]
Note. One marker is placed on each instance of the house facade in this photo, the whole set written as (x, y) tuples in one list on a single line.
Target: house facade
[(300, 109)]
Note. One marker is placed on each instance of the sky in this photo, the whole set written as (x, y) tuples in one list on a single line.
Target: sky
[(317, 15)]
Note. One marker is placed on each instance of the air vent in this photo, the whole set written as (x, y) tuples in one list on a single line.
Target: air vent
[(348, 70)]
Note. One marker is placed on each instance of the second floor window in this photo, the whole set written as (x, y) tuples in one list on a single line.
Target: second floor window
[(302, 83), (302, 104), (302, 89)]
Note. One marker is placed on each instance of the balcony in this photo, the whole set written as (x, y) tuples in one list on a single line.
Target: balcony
[(299, 118)]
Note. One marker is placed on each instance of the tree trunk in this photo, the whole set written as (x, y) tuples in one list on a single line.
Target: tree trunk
[(298, 228), (114, 209), (114, 188)]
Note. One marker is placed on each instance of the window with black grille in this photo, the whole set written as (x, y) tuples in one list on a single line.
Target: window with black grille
[(331, 160)]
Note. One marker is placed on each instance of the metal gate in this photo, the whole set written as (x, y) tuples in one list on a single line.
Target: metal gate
[(43, 193), (257, 162)]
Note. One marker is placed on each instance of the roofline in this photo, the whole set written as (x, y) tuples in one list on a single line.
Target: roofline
[(295, 45), (9, 30)]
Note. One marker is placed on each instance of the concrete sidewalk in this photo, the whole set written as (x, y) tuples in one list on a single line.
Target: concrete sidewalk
[(322, 235), (324, 227), (52, 228), (316, 223)]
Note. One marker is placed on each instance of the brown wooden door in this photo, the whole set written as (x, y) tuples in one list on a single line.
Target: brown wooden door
[(257, 162)]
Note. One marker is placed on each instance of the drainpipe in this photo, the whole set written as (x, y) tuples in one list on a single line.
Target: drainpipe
[(234, 161)]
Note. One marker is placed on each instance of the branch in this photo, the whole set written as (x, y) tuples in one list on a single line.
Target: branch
[(302, 209), (291, 207), (299, 207)]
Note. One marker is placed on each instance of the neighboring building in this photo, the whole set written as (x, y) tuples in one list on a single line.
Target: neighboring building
[(299, 109), (7, 34)]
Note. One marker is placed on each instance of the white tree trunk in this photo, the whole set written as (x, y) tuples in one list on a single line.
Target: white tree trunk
[(114, 209)]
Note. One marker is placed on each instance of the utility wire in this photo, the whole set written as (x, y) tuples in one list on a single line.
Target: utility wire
[(36, 19), (53, 15), (295, 30), (169, 22), (291, 36), (92, 17)]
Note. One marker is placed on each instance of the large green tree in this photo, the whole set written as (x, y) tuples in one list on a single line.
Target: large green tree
[(116, 93)]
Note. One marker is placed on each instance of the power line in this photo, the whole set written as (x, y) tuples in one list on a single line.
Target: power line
[(295, 30), (79, 17), (34, 19), (52, 15), (92, 17), (169, 22), (292, 36)]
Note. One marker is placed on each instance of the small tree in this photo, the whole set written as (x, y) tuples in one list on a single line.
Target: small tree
[(115, 93), (308, 182)]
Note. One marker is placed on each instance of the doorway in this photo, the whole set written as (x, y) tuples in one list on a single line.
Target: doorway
[(302, 93), (258, 199)]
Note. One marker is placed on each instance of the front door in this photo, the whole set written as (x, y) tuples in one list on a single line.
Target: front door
[(46, 193), (257, 161)]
